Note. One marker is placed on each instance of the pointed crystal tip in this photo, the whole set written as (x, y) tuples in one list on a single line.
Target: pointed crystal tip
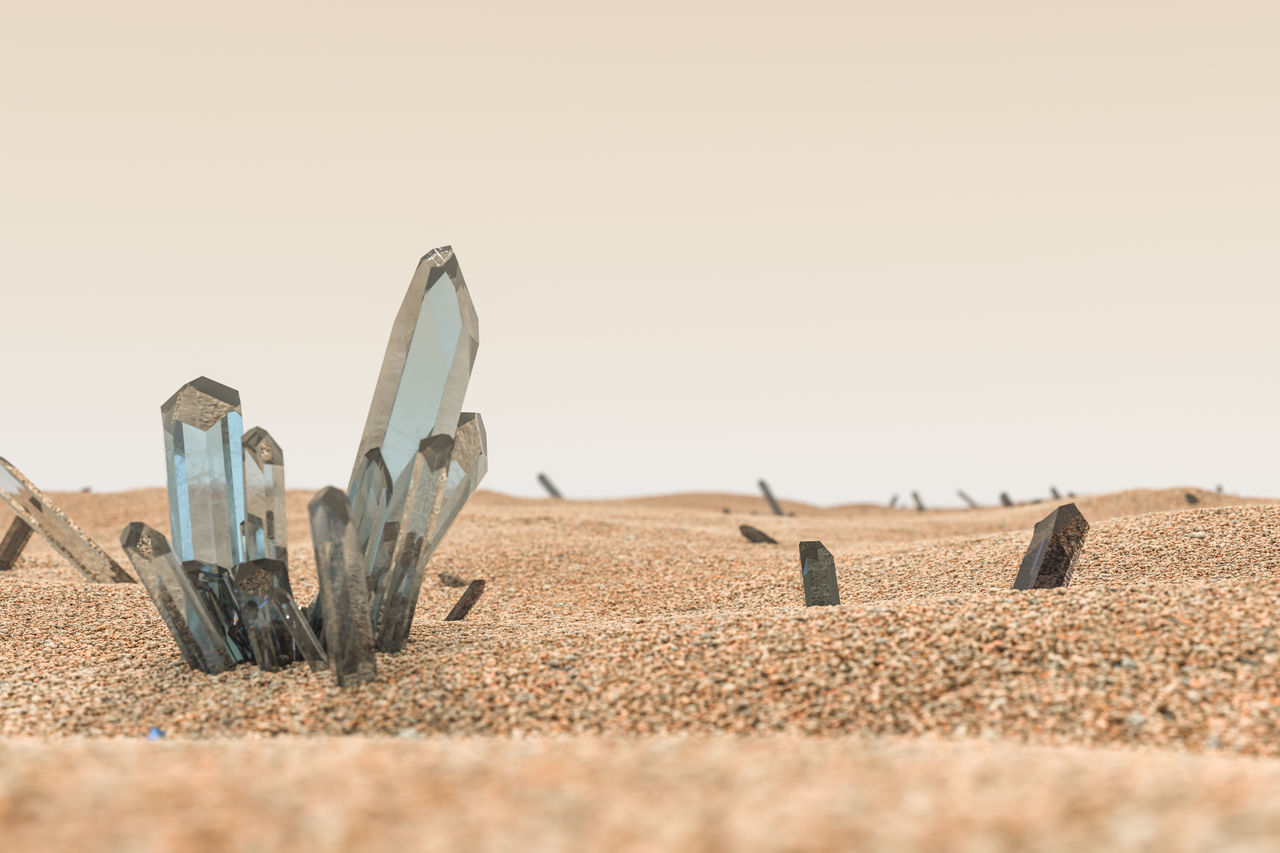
[(138, 538), (200, 403), (263, 447), (437, 257)]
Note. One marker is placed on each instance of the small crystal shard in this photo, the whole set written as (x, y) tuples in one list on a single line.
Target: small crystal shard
[(36, 511), (466, 602), (199, 637), (203, 436), (15, 539), (1056, 543), (445, 474), (427, 364), (964, 496), (265, 532), (344, 591), (818, 569), (754, 534)]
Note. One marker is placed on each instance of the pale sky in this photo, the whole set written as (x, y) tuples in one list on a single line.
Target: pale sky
[(856, 248)]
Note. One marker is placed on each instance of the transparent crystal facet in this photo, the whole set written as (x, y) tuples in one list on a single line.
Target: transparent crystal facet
[(34, 509), (265, 535), (426, 367), (203, 435), (344, 591), (197, 632)]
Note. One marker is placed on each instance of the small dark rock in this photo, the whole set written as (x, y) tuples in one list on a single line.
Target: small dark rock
[(451, 580)]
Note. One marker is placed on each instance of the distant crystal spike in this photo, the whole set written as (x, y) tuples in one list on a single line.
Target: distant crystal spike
[(1055, 546), (265, 531), (276, 629), (203, 434), (344, 591), (35, 510), (427, 365), (446, 473), (183, 609)]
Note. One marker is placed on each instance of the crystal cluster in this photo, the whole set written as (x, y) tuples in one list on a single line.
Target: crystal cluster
[(222, 583)]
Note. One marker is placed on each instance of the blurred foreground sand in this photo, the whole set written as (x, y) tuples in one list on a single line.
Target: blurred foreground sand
[(638, 676)]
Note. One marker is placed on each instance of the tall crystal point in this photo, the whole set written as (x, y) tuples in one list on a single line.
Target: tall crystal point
[(265, 535), (426, 367), (34, 509), (203, 435), (445, 474), (197, 632), (344, 592)]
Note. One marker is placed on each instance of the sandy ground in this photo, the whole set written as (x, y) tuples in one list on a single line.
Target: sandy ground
[(638, 676)]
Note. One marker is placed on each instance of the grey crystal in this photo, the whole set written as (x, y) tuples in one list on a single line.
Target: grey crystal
[(36, 511), (550, 487), (344, 592), (265, 532), (1055, 547), (754, 534), (183, 609), (818, 570), (466, 602), (768, 496)]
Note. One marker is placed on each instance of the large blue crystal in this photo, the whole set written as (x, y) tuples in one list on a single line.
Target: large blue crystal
[(203, 431)]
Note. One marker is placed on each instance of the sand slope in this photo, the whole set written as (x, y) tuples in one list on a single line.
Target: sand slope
[(603, 621)]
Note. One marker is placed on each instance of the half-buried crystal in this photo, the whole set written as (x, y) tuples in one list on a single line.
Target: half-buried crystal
[(445, 474), (183, 609), (203, 434), (34, 509), (265, 532), (344, 592)]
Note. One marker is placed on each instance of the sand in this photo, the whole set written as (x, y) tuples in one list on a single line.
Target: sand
[(638, 676)]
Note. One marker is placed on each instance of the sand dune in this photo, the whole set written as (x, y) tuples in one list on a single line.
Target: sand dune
[(914, 713)]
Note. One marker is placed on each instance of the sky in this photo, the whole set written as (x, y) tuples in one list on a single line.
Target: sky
[(855, 248)]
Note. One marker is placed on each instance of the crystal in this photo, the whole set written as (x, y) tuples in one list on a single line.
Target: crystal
[(370, 499), (964, 496), (918, 501), (1005, 500), (818, 569), (213, 585), (1192, 499), (265, 532), (203, 434), (451, 580), (344, 591), (768, 495), (35, 510), (549, 486), (426, 367), (15, 539), (1056, 543), (1054, 493), (197, 633), (278, 632), (466, 602), (754, 534), (445, 473), (893, 502)]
